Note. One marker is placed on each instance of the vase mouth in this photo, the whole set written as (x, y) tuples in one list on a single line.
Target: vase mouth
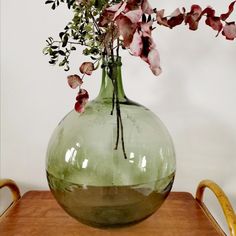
[(111, 85), (111, 61)]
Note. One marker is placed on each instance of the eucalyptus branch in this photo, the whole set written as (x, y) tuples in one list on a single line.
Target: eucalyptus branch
[(95, 23), (99, 24), (113, 72), (70, 42)]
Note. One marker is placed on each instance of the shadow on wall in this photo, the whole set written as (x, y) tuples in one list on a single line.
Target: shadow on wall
[(205, 144)]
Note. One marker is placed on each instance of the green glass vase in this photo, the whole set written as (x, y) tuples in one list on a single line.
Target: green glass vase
[(104, 174)]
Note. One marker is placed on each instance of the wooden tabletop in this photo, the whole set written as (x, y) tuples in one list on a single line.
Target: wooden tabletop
[(38, 214)]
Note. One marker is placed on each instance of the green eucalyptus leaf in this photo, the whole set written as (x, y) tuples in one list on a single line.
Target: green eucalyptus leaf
[(62, 63), (52, 62), (49, 1), (61, 34), (97, 66), (54, 6), (67, 68), (45, 51), (62, 53), (100, 3), (65, 40), (144, 18)]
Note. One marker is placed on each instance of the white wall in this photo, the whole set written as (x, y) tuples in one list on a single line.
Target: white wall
[(195, 96)]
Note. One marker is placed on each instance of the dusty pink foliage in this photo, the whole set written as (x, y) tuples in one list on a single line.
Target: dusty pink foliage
[(87, 68), (82, 99), (193, 17), (136, 31), (226, 15), (74, 81), (229, 31), (133, 21)]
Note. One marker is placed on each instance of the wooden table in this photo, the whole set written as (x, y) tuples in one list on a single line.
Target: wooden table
[(37, 213)]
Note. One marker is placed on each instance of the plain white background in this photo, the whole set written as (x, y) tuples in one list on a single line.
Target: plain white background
[(195, 96)]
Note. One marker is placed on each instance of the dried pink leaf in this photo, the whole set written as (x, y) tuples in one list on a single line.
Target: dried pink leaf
[(146, 28), (176, 12), (134, 15), (74, 81), (176, 18), (120, 10), (230, 10), (215, 23), (143, 46), (154, 62), (146, 7), (105, 18), (192, 18), (111, 13), (82, 99), (136, 45), (126, 29), (209, 12), (161, 20), (87, 68), (211, 20), (229, 31)]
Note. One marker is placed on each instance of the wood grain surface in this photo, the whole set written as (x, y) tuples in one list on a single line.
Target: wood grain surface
[(38, 214)]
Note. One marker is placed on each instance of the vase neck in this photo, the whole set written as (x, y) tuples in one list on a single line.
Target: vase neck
[(111, 79)]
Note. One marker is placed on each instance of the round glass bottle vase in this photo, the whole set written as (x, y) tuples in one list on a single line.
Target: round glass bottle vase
[(113, 164)]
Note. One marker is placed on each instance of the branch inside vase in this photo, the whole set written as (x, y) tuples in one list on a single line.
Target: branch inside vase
[(119, 122), (113, 73)]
